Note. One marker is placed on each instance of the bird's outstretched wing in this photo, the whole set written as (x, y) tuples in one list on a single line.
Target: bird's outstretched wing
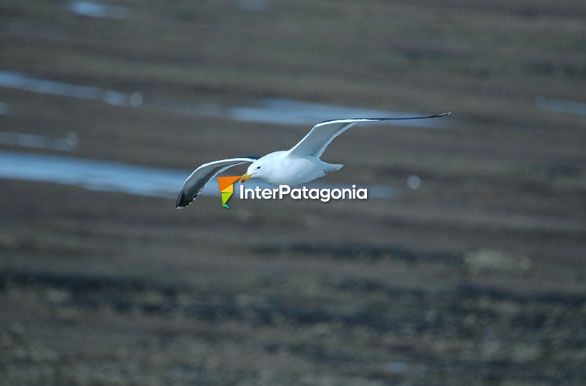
[(195, 183), (322, 134)]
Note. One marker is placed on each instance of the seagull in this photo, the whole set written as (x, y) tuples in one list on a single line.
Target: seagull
[(298, 165)]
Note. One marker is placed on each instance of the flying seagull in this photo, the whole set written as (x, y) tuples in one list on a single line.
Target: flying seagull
[(295, 166)]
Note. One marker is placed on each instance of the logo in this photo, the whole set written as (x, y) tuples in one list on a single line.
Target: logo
[(226, 185)]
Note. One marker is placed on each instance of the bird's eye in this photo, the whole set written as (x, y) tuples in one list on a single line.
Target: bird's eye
[(258, 167)]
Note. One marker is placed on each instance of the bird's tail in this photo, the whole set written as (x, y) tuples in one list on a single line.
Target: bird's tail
[(329, 168)]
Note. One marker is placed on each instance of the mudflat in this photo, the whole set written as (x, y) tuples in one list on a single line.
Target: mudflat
[(473, 276)]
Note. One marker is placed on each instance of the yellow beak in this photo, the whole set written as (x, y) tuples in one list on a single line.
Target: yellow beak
[(245, 178)]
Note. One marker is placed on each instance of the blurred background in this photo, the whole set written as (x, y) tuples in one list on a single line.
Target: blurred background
[(471, 271)]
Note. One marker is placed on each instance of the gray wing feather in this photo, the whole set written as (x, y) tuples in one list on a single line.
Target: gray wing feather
[(195, 183), (322, 134)]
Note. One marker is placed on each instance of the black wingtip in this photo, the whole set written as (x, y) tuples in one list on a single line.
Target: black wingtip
[(182, 201), (424, 116), (406, 118)]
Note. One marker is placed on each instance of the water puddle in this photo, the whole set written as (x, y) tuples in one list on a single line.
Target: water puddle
[(396, 367), (561, 106), (278, 111), (283, 111), (20, 81), (118, 177), (95, 9), (67, 143)]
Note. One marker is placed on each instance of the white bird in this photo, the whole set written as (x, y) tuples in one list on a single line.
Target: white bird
[(295, 166)]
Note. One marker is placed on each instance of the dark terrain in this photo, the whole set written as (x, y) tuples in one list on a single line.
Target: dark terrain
[(478, 277)]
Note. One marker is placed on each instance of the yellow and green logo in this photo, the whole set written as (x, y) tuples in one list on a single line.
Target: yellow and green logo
[(226, 185)]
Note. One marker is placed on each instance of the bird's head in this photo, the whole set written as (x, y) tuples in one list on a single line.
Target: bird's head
[(255, 170)]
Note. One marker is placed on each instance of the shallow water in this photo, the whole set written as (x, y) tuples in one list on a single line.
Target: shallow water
[(94, 9), (119, 177), (15, 80), (561, 106), (278, 111), (66, 143), (283, 111)]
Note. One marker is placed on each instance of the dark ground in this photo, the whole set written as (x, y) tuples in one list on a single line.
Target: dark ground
[(476, 278)]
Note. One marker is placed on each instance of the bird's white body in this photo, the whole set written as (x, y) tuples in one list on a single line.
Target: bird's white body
[(283, 168)]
